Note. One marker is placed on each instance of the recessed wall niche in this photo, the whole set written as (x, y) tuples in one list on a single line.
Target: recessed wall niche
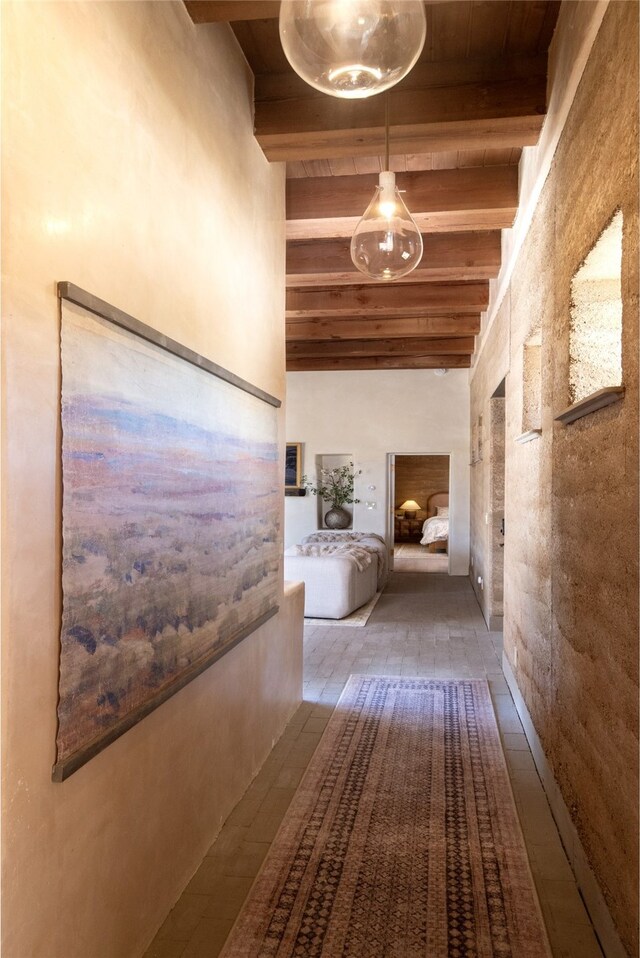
[(476, 441), (531, 388), (595, 333)]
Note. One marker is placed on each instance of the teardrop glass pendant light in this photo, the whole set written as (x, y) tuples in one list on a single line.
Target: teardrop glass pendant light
[(352, 48), (386, 243)]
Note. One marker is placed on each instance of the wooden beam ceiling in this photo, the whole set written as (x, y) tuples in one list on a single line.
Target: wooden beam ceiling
[(458, 345), (417, 361), (323, 329), (418, 299), (484, 198), (502, 112), (458, 122), (446, 257), (220, 11)]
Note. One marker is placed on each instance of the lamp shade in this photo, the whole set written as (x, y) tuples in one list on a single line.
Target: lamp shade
[(410, 506)]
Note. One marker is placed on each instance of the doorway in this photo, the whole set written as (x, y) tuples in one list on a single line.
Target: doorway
[(419, 512)]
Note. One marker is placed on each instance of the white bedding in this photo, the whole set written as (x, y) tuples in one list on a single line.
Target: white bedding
[(434, 529)]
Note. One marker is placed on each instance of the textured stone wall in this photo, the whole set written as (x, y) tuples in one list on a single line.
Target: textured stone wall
[(571, 496), (496, 451), (418, 477), (488, 376)]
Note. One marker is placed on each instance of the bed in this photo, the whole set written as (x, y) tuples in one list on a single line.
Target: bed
[(435, 529)]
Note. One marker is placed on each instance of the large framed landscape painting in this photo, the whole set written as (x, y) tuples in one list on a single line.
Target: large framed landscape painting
[(170, 520)]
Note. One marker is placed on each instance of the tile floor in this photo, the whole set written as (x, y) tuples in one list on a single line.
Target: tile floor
[(427, 625)]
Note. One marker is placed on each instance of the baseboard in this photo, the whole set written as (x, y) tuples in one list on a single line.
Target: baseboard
[(585, 879)]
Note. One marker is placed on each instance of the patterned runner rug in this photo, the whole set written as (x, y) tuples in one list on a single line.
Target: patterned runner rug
[(402, 839)]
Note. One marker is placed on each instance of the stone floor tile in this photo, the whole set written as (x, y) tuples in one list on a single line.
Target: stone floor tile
[(165, 948), (564, 901), (550, 861), (315, 724), (208, 938), (289, 777), (206, 876), (228, 897), (271, 812), (247, 808), (515, 740), (183, 918), (525, 780), (571, 941), (246, 862), (537, 822), (519, 760)]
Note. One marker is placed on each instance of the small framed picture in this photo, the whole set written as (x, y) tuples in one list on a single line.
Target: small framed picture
[(293, 465)]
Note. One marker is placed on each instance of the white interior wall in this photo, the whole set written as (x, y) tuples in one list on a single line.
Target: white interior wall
[(368, 414)]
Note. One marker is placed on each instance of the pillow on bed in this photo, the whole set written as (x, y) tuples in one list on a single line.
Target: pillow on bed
[(442, 511)]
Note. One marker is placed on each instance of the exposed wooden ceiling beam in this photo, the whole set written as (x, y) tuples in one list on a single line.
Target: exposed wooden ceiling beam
[(464, 116), (447, 256), (216, 11), (462, 345), (379, 362), (438, 191), (481, 198), (416, 300), (219, 11), (425, 75), (322, 329)]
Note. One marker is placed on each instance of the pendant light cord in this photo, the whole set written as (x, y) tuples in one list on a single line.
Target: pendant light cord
[(386, 131)]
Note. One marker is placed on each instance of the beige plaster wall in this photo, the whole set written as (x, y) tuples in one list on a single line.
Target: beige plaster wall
[(571, 497), (130, 169)]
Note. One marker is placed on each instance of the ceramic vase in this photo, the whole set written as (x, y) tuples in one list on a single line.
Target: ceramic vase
[(337, 518)]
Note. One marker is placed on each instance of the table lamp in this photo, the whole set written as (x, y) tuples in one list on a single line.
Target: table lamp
[(410, 506)]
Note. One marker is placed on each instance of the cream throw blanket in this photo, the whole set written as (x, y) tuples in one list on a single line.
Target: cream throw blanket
[(342, 536), (361, 555)]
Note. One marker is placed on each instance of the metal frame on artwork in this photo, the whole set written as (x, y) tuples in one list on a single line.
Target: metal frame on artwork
[(98, 306), (68, 291)]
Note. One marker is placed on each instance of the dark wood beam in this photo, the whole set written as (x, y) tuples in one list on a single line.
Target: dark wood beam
[(425, 75), (478, 198), (216, 11), (506, 110), (320, 329), (220, 11), (462, 346), (379, 362), (389, 300), (447, 256)]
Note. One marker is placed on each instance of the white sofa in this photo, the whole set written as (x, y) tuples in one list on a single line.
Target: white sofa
[(333, 584)]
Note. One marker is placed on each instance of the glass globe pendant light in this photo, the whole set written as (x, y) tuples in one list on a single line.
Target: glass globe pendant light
[(352, 48), (386, 243)]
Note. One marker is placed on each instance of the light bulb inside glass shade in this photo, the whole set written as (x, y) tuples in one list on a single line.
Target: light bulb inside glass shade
[(387, 243), (352, 48)]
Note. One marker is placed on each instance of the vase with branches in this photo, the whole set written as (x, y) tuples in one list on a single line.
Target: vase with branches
[(336, 486)]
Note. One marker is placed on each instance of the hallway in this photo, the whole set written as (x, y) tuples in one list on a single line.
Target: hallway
[(423, 626)]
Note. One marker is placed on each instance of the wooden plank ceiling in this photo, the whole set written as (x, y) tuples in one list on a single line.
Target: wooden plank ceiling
[(458, 123)]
